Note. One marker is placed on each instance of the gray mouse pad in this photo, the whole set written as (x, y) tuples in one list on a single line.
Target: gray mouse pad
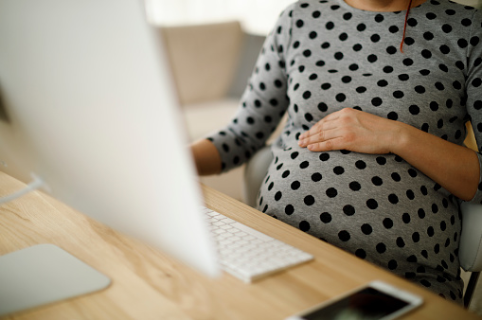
[(44, 274)]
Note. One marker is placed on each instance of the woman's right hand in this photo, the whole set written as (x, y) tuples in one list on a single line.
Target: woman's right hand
[(206, 157)]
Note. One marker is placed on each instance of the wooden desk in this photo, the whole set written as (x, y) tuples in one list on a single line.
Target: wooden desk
[(147, 284)]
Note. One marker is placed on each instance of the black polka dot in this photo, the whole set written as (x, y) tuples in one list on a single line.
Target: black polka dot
[(295, 185), (426, 283), (381, 160), (339, 170), (393, 29), (400, 242), (381, 247), (409, 41), (331, 193), (278, 196), (304, 226), (377, 181), (392, 115), (355, 186), (316, 177), (361, 89), (372, 204), (414, 109), (392, 265), (421, 213), (360, 253), (347, 16), (366, 229), (353, 67), (393, 198), (372, 58), (340, 97), (344, 235), (324, 157), (377, 101), (426, 54), (388, 223), (412, 258), (466, 22), (415, 237), (325, 217), (406, 218), (289, 209), (391, 50), (349, 210), (309, 200), (407, 62), (304, 165)]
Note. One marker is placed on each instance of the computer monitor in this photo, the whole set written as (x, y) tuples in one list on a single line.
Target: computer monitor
[(90, 108)]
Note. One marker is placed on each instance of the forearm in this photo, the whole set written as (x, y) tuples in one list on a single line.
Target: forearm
[(206, 157), (454, 167)]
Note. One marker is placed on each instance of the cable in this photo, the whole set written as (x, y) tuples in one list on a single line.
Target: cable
[(35, 184)]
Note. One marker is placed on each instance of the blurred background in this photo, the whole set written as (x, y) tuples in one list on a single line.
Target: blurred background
[(256, 17)]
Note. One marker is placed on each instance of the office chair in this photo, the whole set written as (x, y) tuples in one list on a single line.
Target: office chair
[(470, 247)]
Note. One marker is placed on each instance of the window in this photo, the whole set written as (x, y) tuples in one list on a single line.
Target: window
[(257, 17)]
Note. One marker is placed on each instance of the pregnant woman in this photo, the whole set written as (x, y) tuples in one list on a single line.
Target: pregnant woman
[(371, 159)]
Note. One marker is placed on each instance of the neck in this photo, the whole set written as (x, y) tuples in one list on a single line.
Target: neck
[(382, 5)]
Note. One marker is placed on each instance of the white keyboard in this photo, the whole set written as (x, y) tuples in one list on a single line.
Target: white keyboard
[(249, 254)]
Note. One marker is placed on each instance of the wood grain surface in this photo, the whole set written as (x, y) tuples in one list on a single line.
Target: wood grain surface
[(148, 284)]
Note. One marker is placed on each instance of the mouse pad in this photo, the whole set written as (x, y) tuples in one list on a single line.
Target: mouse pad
[(44, 274)]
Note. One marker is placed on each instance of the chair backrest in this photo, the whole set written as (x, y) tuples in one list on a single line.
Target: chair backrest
[(204, 59), (470, 246)]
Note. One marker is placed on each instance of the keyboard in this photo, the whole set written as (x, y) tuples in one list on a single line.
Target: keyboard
[(249, 254)]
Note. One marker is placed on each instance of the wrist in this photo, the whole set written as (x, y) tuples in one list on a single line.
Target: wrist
[(399, 139)]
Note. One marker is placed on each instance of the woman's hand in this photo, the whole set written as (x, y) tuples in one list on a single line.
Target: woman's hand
[(350, 129), (454, 167)]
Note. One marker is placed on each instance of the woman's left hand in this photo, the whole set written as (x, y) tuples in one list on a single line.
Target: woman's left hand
[(353, 130)]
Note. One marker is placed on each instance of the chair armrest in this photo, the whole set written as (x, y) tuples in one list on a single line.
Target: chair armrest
[(254, 174), (470, 247)]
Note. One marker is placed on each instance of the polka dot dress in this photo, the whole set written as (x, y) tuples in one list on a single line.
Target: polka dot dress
[(323, 56)]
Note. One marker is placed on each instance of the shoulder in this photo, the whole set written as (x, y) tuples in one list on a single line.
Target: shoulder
[(452, 11)]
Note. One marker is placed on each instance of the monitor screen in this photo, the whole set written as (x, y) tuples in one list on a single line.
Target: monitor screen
[(88, 106)]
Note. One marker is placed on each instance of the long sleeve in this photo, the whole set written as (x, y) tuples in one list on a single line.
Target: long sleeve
[(263, 103), (474, 88)]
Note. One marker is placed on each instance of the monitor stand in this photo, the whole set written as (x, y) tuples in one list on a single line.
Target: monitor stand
[(44, 274)]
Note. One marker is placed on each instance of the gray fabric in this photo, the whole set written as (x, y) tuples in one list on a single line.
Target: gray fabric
[(252, 45), (323, 56)]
